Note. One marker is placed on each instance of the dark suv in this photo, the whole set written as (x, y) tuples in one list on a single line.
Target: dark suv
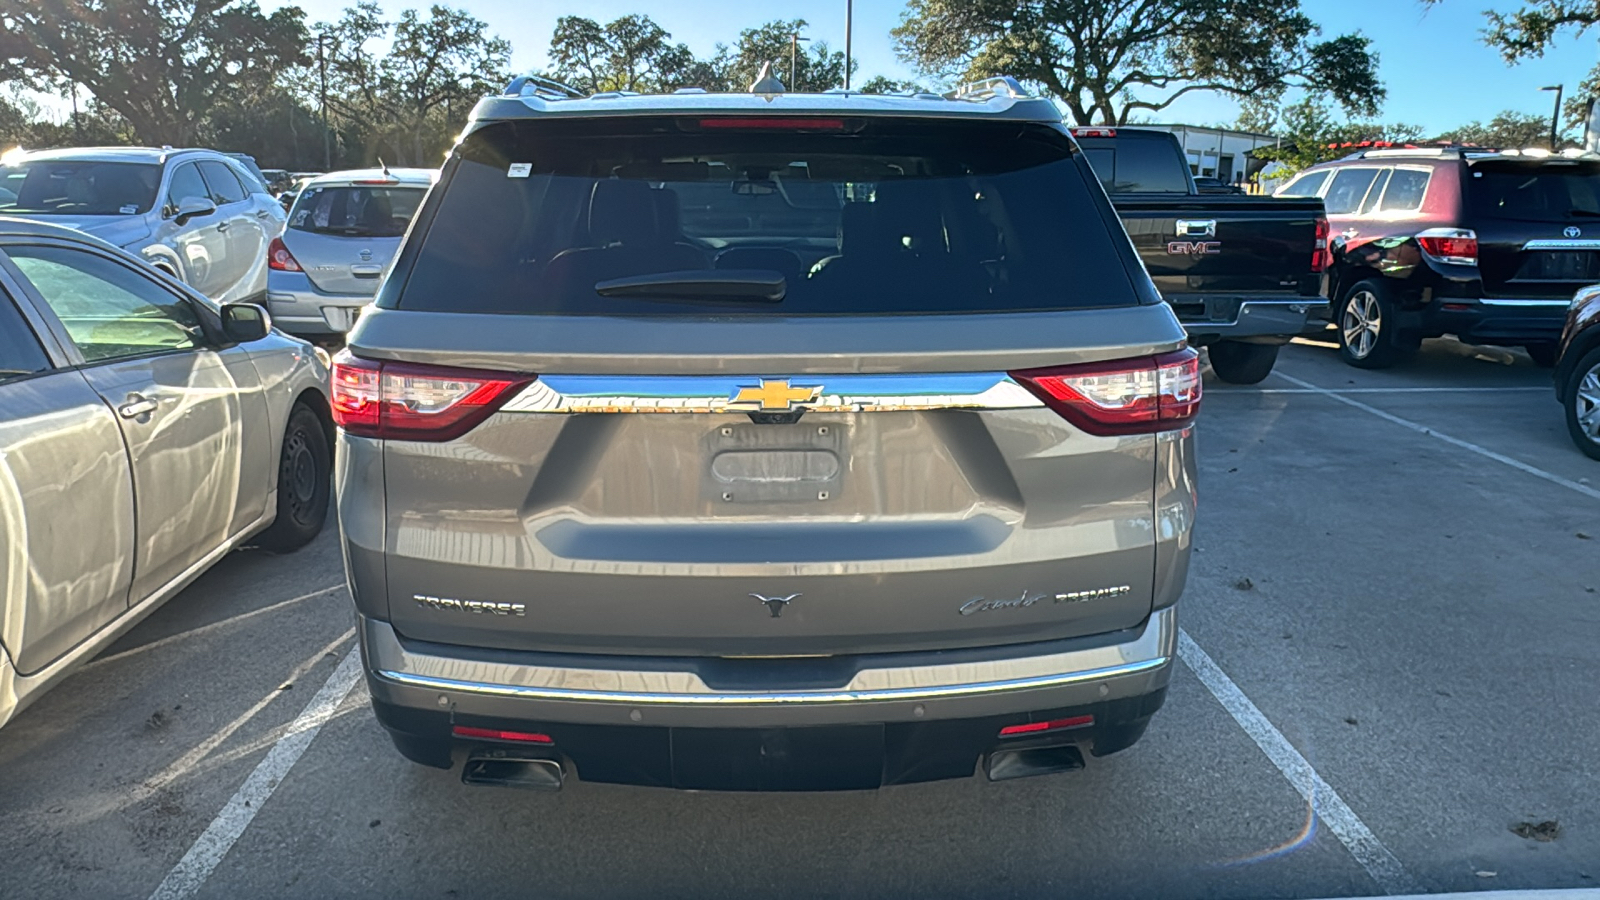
[(766, 441), (1483, 244)]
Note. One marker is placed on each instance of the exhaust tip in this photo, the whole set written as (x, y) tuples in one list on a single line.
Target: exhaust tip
[(505, 771), (1003, 765)]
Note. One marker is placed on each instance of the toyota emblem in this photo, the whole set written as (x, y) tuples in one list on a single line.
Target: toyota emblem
[(1573, 231)]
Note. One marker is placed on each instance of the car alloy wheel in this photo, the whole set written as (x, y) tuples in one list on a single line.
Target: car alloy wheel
[(1587, 404), (1361, 323)]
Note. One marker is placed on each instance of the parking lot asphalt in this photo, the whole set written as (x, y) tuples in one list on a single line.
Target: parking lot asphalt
[(1393, 610)]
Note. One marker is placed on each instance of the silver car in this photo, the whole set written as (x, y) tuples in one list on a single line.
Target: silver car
[(343, 230), (145, 431), (197, 215), (766, 442)]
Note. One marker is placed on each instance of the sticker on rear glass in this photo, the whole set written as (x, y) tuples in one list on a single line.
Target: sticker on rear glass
[(519, 170), (128, 210)]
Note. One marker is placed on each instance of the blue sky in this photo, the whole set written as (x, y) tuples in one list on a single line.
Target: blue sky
[(1437, 69)]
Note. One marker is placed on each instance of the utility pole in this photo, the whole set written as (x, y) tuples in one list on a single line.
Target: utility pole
[(322, 67), (1555, 117), (849, 14), (77, 129)]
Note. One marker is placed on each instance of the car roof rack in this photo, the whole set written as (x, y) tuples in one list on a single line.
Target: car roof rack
[(1468, 152), (533, 85), (990, 88)]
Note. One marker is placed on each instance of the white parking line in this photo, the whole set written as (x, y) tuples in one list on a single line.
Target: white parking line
[(214, 843), (1517, 464), (205, 629), (1373, 856)]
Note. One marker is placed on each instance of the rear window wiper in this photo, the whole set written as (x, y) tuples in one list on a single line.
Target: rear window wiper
[(1583, 213), (709, 285)]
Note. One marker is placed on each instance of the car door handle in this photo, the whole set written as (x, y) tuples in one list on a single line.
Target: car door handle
[(263, 214), (222, 226), (1197, 228), (1349, 232), (137, 406)]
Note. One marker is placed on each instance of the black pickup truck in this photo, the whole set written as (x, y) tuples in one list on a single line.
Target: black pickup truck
[(1243, 273)]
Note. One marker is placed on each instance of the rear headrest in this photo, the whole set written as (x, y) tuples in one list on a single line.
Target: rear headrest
[(669, 226), (622, 211), (910, 210), (857, 232)]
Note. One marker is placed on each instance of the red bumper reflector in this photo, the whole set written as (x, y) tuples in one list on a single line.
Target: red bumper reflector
[(1052, 725), (493, 734), (1457, 307)]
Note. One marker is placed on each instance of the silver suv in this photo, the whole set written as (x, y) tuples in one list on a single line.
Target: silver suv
[(200, 216), (766, 442)]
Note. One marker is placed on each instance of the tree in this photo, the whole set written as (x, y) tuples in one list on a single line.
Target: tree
[(632, 53), (879, 84), (1528, 32), (406, 105), (1311, 135), (160, 64), (818, 67), (1109, 61), (1507, 129)]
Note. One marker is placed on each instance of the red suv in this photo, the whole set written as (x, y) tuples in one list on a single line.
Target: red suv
[(1487, 245)]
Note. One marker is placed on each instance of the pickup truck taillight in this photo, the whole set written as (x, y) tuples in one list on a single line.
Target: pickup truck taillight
[(1450, 245), (1122, 396), (1321, 253), (410, 402)]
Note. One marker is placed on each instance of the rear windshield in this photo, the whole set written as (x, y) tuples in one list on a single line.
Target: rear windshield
[(882, 216), (356, 211), (1137, 165), (74, 188), (1543, 192)]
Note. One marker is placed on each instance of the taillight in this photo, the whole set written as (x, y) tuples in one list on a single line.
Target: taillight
[(410, 402), (1124, 396), (1450, 245), (1321, 254), (279, 257), (1093, 131)]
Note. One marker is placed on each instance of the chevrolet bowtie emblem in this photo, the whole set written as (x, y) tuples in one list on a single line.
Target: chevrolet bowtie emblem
[(777, 395)]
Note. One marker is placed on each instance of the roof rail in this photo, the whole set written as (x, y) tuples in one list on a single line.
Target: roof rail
[(990, 88), (542, 87)]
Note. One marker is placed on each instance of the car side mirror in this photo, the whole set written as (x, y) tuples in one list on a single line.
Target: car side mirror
[(287, 201), (245, 322), (192, 207)]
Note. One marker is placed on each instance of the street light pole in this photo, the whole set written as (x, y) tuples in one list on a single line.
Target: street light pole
[(327, 138), (794, 53), (1555, 117), (849, 14)]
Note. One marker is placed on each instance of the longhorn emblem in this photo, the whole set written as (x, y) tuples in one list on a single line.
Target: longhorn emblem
[(775, 605)]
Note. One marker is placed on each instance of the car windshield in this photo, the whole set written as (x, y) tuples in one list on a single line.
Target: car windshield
[(1545, 192), (60, 187), (356, 211), (857, 217)]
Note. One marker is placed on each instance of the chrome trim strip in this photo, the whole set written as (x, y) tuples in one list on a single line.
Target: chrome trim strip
[(720, 393), (1487, 301), (1153, 648), (1563, 244)]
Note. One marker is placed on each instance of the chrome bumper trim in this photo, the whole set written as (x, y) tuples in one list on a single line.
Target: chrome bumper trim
[(1489, 301), (1154, 648), (735, 393)]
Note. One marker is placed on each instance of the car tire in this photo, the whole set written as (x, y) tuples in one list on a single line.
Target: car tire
[(1582, 393), (1544, 355), (304, 483), (1239, 363), (1369, 330)]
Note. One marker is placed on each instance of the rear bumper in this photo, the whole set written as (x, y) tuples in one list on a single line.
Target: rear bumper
[(1223, 317), (1504, 320), (297, 307), (653, 726)]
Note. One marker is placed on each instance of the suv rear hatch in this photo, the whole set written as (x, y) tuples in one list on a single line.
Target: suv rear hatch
[(767, 387), (1538, 224)]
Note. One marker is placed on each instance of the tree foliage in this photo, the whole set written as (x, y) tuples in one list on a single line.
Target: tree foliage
[(632, 53), (1312, 134), (1107, 62), (160, 64), (404, 106), (1509, 128)]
